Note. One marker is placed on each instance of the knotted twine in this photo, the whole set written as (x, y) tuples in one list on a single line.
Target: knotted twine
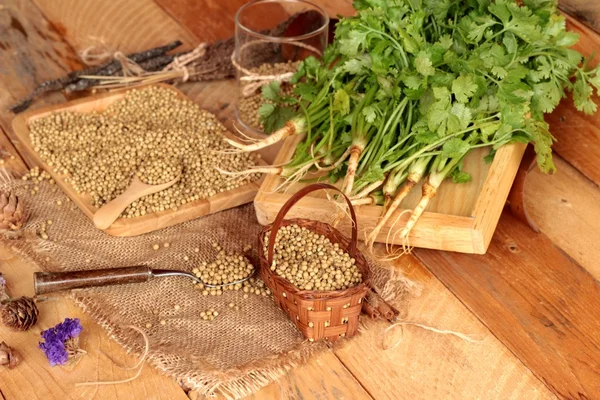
[(99, 54)]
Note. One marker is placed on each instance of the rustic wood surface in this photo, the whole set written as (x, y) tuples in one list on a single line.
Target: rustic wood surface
[(531, 303)]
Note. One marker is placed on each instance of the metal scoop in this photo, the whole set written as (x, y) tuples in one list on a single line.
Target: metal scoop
[(48, 282)]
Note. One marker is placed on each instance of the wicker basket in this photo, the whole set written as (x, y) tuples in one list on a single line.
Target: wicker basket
[(318, 314)]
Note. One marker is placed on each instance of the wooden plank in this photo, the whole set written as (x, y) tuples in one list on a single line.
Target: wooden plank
[(584, 10), (566, 208), (578, 134), (427, 365), (322, 378), (539, 303), (126, 26), (11, 159), (125, 226), (36, 379), (31, 51)]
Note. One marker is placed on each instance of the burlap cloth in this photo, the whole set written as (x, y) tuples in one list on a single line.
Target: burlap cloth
[(236, 354)]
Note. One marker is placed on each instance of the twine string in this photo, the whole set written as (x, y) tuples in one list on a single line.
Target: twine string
[(255, 80), (97, 55), (180, 63), (139, 363), (459, 335)]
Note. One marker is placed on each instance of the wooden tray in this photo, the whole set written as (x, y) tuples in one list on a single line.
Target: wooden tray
[(462, 217), (126, 226)]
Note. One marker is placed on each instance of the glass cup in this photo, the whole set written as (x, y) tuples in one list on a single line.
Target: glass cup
[(271, 38)]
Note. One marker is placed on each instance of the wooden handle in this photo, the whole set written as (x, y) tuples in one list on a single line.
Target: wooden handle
[(293, 200), (108, 213), (47, 282)]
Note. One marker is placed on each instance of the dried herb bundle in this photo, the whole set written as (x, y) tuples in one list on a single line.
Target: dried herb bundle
[(151, 60), (213, 64)]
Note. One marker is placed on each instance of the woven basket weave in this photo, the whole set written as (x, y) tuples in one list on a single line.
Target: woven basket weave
[(318, 314)]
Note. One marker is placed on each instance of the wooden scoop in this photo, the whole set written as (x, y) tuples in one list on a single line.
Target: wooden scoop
[(108, 213)]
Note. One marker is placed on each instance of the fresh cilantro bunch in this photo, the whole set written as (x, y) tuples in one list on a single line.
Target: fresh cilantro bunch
[(409, 87)]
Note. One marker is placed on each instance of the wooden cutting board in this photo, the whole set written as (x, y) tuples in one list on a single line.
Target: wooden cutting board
[(127, 226), (461, 217)]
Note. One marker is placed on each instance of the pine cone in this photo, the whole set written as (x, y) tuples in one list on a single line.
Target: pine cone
[(19, 314), (12, 212)]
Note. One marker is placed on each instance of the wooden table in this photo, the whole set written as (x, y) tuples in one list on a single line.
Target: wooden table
[(533, 301)]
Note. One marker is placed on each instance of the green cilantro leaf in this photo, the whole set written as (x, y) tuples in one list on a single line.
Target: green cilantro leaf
[(370, 113), (271, 91), (276, 118), (423, 64), (341, 102), (455, 147), (459, 176), (266, 109), (464, 88)]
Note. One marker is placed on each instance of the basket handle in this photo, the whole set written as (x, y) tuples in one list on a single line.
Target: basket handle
[(293, 200)]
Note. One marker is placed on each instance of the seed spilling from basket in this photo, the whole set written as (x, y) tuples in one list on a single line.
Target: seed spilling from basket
[(310, 261)]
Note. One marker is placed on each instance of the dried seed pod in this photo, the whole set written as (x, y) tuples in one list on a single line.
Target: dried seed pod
[(9, 356), (19, 314), (12, 212)]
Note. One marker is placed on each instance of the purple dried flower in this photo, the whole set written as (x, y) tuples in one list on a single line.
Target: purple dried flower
[(55, 339), (2, 281)]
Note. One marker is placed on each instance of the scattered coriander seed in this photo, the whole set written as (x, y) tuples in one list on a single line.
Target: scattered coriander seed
[(87, 260), (197, 250), (166, 244), (58, 202), (47, 259), (186, 258), (44, 236), (163, 322), (12, 157), (237, 308), (148, 325), (177, 307), (246, 296), (215, 313), (49, 222), (231, 305), (155, 246)]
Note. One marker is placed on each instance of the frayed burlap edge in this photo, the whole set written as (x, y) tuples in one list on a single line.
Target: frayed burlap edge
[(231, 384)]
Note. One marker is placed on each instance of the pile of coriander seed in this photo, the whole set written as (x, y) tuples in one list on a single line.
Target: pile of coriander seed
[(226, 269), (310, 261), (100, 152)]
